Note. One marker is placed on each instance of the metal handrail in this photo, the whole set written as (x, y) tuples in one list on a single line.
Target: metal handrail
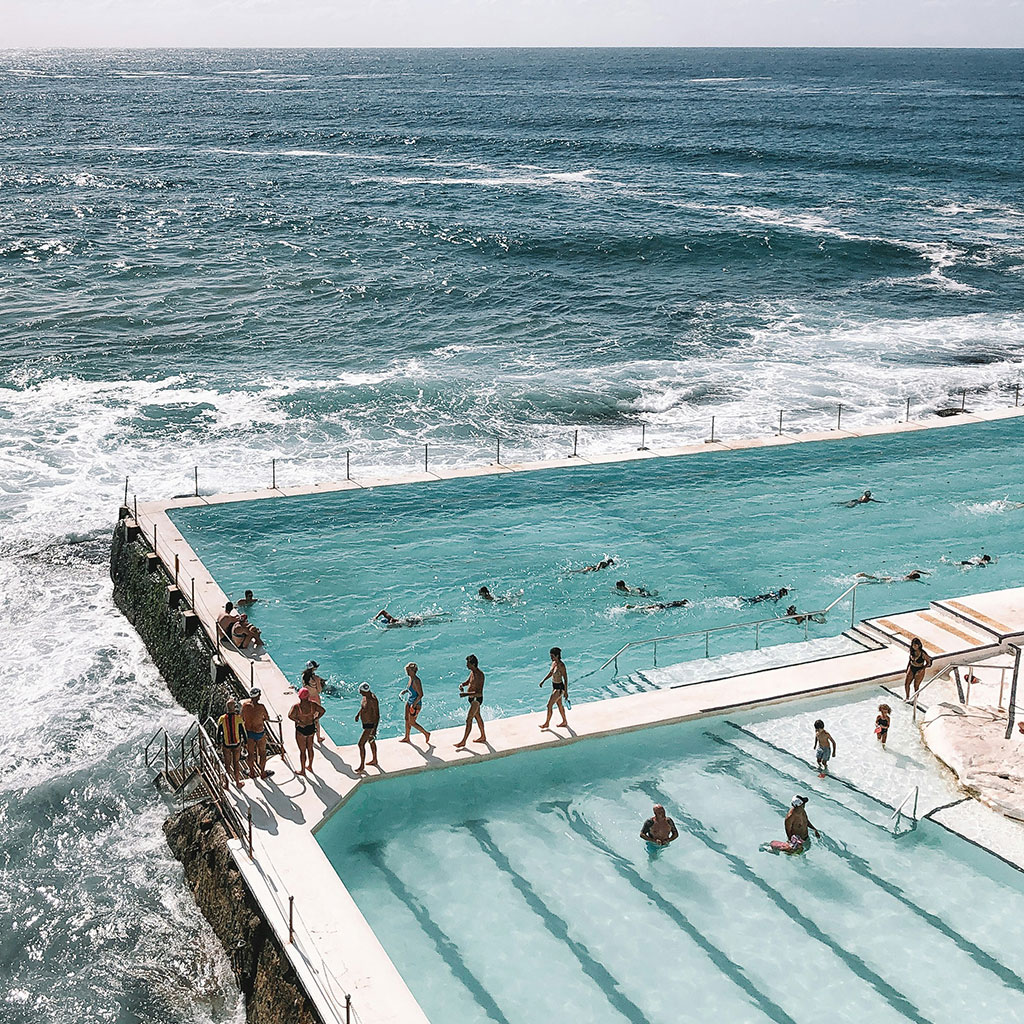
[(755, 623), (954, 666), (898, 813)]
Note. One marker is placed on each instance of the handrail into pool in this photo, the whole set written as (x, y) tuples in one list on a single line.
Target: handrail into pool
[(954, 668), (804, 617), (898, 813)]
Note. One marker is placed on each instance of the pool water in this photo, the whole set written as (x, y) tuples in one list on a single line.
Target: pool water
[(710, 528), (509, 890)]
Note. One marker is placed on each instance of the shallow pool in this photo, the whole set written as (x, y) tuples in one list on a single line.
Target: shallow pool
[(514, 889), (710, 528)]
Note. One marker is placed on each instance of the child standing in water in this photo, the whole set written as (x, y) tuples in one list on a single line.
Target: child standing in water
[(882, 723), (824, 747)]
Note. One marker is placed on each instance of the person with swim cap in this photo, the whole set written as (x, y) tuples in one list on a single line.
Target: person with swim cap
[(315, 684), (413, 703), (771, 595), (659, 830), (798, 826), (231, 732), (603, 564), (559, 688), (369, 715), (623, 588), (305, 715)]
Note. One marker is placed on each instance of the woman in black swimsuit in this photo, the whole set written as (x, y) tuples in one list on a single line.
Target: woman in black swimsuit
[(920, 660)]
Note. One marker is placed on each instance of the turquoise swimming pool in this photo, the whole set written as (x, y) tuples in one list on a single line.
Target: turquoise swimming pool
[(710, 528), (509, 890)]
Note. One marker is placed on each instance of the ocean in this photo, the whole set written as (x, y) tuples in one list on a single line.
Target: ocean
[(214, 259)]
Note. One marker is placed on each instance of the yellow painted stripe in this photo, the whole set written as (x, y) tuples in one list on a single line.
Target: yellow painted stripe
[(971, 613), (948, 627), (926, 644)]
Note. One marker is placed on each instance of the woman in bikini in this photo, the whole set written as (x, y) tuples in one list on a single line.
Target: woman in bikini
[(919, 660)]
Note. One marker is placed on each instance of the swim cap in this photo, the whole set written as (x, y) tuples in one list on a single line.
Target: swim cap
[(799, 801), (364, 687), (304, 693), (312, 664), (255, 691)]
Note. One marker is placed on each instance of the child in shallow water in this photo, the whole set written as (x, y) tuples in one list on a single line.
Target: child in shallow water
[(824, 747), (882, 723)]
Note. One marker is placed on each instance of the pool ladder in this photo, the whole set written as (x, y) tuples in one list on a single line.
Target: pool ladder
[(898, 815)]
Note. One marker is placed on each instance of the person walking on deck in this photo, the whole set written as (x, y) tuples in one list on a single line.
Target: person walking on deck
[(231, 733), (305, 714), (256, 720), (917, 663), (559, 688), (824, 747), (369, 715), (413, 703), (312, 682), (473, 690)]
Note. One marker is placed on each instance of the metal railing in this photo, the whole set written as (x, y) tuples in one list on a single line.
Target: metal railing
[(947, 405), (897, 815), (803, 618), (953, 668)]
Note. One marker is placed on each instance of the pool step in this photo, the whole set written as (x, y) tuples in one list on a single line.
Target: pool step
[(941, 633)]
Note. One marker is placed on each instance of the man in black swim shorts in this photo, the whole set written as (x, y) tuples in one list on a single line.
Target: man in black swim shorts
[(369, 715)]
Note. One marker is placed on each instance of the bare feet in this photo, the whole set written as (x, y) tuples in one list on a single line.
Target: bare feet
[(563, 725), (480, 739), (426, 738), (372, 764), (360, 770), (301, 771), (460, 746), (544, 726), (405, 739)]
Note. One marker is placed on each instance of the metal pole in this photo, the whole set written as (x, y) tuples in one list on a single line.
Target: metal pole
[(643, 438), (154, 539), (839, 418), (135, 505), (655, 653), (575, 442), (348, 475), (707, 640), (291, 920), (907, 417), (963, 400), (757, 636), (195, 476), (273, 474), (252, 674), (348, 1009), (167, 757), (176, 569), (425, 456), (249, 815), (497, 461), (712, 429), (1016, 402), (780, 423), (853, 606), (126, 478), (1013, 693), (193, 593)]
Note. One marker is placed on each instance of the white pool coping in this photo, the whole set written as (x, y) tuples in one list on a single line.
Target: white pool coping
[(335, 948)]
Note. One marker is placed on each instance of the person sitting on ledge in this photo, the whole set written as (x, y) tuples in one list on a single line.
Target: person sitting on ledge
[(864, 499), (226, 621), (603, 564), (772, 595), (659, 830), (248, 600), (623, 588), (244, 634)]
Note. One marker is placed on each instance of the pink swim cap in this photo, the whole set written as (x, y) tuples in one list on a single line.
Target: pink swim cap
[(304, 693)]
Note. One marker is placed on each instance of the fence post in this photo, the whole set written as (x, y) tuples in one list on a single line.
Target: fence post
[(712, 429), (273, 474), (195, 476), (907, 417), (348, 474), (154, 539), (839, 418), (1016, 402), (135, 507), (126, 478), (425, 457), (291, 920), (643, 438), (497, 461), (176, 557), (193, 593), (575, 442), (963, 400), (780, 423)]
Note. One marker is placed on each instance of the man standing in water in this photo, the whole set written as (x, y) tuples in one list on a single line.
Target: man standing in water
[(306, 714), (659, 830), (256, 720), (473, 688), (369, 715), (559, 688), (798, 825)]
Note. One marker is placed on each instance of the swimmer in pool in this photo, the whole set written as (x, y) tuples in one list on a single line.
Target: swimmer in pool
[(864, 499), (603, 564), (659, 606), (394, 622), (913, 576), (559, 688), (977, 561), (798, 825), (772, 595), (484, 594), (659, 830), (247, 601), (799, 618), (622, 587)]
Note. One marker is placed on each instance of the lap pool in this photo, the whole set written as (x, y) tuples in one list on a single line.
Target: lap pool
[(710, 528), (509, 890)]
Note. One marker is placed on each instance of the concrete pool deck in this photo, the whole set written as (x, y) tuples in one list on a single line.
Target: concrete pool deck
[(334, 943)]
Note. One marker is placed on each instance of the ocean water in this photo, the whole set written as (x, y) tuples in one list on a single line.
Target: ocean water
[(214, 259)]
